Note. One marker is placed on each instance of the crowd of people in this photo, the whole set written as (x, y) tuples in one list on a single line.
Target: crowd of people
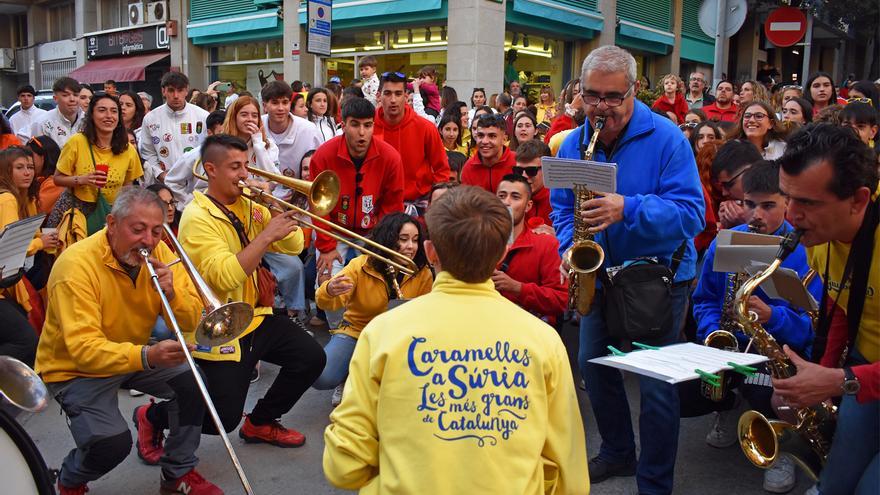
[(469, 373)]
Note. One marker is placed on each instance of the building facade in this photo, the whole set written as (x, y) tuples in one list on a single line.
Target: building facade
[(248, 42)]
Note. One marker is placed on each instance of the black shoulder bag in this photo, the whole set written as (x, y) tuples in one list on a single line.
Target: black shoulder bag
[(638, 297)]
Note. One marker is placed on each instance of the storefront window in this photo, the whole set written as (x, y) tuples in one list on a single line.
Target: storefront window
[(248, 65), (405, 50), (539, 61)]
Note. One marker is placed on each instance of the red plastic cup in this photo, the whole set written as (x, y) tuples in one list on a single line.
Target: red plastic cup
[(103, 168)]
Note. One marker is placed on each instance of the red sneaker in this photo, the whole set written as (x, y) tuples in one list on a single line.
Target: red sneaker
[(190, 483), (272, 433), (76, 490), (150, 442)]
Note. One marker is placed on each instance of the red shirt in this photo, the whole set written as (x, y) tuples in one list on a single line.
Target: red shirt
[(562, 122), (533, 260), (381, 186), (476, 173), (726, 115), (679, 107), (838, 338), (541, 206), (704, 238), (420, 149)]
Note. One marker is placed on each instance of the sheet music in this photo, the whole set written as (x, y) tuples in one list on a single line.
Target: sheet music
[(563, 173), (785, 284), (14, 242), (678, 362)]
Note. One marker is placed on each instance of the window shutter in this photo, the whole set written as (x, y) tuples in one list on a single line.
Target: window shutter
[(652, 13)]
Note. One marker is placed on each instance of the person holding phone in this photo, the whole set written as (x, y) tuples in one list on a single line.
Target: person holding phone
[(99, 158)]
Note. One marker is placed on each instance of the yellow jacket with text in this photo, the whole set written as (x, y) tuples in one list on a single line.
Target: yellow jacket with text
[(211, 242), (458, 391), (98, 318), (369, 296)]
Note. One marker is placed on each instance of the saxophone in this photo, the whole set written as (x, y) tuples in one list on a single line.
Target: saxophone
[(585, 255), (725, 337), (809, 440)]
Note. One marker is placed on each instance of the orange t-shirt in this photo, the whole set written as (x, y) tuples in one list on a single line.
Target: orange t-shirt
[(7, 140)]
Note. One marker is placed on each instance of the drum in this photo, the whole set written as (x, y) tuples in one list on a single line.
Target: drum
[(23, 470)]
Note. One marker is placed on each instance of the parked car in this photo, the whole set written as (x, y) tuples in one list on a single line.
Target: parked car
[(43, 99)]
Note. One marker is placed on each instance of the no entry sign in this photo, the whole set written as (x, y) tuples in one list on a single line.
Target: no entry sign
[(785, 26)]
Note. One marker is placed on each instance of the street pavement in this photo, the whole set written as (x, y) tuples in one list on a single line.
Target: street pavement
[(700, 469)]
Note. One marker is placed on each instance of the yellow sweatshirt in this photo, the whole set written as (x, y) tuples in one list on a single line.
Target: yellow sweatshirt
[(464, 379), (369, 296), (212, 244), (98, 319), (9, 214)]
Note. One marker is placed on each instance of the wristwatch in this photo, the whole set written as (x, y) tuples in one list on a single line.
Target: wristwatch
[(851, 383)]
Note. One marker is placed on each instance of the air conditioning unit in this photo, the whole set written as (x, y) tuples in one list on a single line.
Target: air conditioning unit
[(7, 58), (157, 12), (135, 14)]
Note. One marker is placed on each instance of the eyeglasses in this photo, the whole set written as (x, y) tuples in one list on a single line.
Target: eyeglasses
[(610, 101), (728, 184), (171, 203), (529, 171), (860, 100), (686, 125), (697, 79), (386, 75), (756, 116)]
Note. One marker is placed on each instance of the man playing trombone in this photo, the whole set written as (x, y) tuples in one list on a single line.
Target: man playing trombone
[(103, 309), (226, 236)]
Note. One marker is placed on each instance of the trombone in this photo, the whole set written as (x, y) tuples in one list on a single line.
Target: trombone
[(221, 323), (322, 193)]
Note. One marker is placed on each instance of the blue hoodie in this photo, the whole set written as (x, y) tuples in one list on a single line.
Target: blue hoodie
[(663, 197), (788, 324)]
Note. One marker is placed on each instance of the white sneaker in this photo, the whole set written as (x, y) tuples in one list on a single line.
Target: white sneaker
[(780, 478), (337, 395), (723, 433), (135, 393), (813, 490)]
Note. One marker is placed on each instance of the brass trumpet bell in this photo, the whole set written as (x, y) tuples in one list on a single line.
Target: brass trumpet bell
[(323, 192), (224, 323), (763, 440), (21, 386)]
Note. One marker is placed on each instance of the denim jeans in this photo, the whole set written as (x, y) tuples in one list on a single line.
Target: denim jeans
[(338, 351), (288, 270), (161, 330), (853, 465), (659, 415)]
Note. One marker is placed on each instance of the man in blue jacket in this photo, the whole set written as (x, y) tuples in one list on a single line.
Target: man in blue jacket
[(788, 324), (658, 207)]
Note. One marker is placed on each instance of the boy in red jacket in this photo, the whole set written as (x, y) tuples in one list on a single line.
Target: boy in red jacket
[(528, 165), (529, 272), (371, 179), (493, 160), (672, 99), (414, 138)]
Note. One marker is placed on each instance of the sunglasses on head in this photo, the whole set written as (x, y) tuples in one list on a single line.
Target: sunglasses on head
[(687, 125), (792, 86), (529, 171), (859, 100), (387, 75), (492, 120)]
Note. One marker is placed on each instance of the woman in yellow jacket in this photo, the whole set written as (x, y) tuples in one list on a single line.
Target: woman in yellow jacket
[(364, 288), (18, 200)]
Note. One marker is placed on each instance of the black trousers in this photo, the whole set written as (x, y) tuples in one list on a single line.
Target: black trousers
[(278, 340), (17, 337)]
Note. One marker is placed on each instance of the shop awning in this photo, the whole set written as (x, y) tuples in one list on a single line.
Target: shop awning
[(207, 31), (120, 69)]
